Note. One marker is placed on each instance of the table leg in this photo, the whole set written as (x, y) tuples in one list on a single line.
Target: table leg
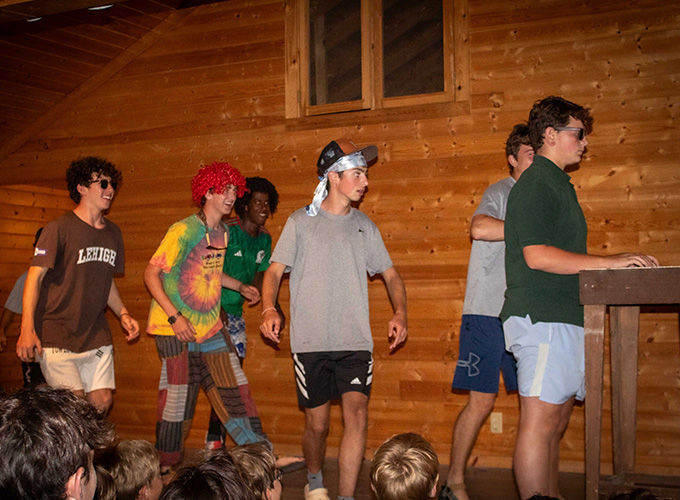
[(624, 332), (594, 321)]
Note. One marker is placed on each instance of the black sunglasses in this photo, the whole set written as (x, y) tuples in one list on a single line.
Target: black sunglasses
[(581, 131), (104, 183)]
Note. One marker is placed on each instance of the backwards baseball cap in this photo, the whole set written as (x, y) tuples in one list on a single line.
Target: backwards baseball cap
[(338, 156), (335, 150)]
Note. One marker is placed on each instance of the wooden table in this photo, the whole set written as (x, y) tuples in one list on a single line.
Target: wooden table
[(623, 291)]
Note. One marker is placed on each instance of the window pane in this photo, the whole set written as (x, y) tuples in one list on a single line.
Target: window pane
[(334, 51), (413, 47)]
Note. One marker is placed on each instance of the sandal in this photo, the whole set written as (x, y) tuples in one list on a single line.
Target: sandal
[(446, 491)]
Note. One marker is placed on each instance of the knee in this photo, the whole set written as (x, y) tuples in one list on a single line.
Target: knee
[(318, 428), (102, 400), (481, 404)]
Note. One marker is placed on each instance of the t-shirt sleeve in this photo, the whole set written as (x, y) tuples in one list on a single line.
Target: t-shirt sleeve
[(536, 210), (264, 265), (378, 260), (286, 247), (167, 254), (491, 204), (47, 249)]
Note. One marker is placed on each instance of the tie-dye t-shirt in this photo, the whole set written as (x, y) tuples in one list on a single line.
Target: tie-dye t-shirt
[(192, 277)]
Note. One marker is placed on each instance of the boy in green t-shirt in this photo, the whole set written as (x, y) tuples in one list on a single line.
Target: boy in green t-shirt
[(545, 237), (246, 259)]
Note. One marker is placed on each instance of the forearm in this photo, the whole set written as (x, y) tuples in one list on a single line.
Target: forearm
[(270, 285), (29, 300), (557, 261), (231, 283), (114, 302), (487, 228), (396, 290), (6, 320)]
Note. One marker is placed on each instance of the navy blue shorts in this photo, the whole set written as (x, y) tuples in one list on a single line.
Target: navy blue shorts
[(482, 356), (323, 376)]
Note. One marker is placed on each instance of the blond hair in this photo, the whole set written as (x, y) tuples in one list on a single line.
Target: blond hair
[(405, 467), (133, 464), (257, 465)]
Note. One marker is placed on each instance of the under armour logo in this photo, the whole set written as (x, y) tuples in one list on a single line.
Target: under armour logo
[(470, 364), (356, 381)]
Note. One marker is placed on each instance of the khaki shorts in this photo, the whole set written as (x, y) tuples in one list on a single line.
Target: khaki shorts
[(78, 371)]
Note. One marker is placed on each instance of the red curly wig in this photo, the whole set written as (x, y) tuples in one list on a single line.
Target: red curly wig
[(216, 176)]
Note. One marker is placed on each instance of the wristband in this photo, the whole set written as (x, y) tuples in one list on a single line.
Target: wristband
[(123, 314), (268, 309), (172, 319)]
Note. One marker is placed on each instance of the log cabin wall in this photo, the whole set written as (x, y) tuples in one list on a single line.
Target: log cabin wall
[(212, 87)]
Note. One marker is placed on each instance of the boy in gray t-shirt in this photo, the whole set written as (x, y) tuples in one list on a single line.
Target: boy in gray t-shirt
[(328, 247)]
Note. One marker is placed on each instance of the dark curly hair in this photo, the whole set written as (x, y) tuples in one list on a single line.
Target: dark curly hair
[(257, 185), (518, 137), (81, 170), (554, 112), (215, 479), (46, 435)]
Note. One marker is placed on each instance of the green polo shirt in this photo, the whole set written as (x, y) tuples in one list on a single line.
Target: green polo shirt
[(543, 210)]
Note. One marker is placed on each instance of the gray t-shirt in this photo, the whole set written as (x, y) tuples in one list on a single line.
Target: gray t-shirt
[(14, 300), (328, 257), (485, 289)]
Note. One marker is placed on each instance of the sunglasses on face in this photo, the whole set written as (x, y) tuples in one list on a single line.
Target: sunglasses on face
[(581, 131), (278, 475), (104, 183)]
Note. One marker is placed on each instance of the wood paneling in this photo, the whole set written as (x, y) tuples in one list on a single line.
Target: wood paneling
[(213, 88)]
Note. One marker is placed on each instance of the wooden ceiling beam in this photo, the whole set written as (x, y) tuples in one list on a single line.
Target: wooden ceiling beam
[(89, 86)]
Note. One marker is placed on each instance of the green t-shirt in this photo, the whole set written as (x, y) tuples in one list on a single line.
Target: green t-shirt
[(543, 210), (245, 257)]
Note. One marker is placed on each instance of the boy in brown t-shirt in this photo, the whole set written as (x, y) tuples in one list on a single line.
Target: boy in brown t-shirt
[(70, 284)]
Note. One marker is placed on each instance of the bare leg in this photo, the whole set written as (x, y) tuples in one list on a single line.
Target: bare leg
[(353, 443), (314, 439), (465, 432), (539, 422), (555, 447), (102, 399)]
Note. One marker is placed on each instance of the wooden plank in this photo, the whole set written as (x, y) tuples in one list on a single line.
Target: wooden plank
[(613, 286)]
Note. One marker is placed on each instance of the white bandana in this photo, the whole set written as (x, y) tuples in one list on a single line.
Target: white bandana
[(354, 160)]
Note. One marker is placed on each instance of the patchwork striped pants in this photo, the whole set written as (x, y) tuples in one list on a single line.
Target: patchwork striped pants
[(214, 366)]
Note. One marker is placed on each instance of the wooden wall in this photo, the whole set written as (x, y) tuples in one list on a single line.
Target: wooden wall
[(212, 89)]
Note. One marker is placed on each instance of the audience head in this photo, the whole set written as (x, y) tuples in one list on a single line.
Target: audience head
[(405, 467), (106, 489), (47, 440), (135, 468), (554, 112), (258, 467), (84, 171), (218, 478)]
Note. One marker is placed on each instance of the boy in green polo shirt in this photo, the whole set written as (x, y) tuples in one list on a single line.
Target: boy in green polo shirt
[(545, 237)]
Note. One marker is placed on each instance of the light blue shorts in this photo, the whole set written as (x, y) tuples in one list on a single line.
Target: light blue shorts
[(550, 359)]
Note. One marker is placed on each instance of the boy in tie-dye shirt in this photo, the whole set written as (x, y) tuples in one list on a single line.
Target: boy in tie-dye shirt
[(185, 279)]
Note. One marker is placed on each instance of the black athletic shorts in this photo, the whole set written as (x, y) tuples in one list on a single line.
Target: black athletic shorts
[(323, 376)]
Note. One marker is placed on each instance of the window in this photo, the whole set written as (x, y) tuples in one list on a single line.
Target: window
[(351, 55)]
